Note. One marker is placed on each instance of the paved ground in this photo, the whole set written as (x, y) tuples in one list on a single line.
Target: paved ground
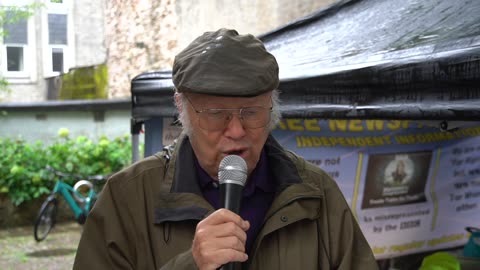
[(19, 250)]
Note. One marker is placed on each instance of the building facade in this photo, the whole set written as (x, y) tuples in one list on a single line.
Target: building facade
[(144, 35), (129, 36), (58, 36)]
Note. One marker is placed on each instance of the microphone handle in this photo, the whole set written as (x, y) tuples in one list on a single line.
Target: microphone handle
[(230, 198), (228, 266)]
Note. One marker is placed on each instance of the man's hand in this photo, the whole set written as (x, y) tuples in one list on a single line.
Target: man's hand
[(220, 238)]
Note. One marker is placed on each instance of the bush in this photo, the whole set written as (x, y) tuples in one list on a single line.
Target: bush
[(23, 174)]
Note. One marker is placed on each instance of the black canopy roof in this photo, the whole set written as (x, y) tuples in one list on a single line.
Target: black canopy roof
[(367, 59)]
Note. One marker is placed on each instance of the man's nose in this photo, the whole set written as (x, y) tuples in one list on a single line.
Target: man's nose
[(235, 127)]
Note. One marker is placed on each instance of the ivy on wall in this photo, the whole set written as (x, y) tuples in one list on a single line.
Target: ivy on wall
[(85, 83)]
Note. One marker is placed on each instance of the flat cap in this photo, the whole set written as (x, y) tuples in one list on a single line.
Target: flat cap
[(224, 63)]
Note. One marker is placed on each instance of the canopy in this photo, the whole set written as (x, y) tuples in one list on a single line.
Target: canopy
[(367, 59), (374, 59)]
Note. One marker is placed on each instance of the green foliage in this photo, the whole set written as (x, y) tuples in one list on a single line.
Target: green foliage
[(23, 173), (14, 14), (4, 86)]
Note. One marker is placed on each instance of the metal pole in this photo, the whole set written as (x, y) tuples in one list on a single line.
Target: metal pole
[(135, 128), (135, 151)]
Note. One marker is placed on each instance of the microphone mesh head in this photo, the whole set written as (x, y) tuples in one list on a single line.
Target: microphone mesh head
[(232, 169)]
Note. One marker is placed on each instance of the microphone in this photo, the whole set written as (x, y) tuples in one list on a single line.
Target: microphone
[(232, 175)]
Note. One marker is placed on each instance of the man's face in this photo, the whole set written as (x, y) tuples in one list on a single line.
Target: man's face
[(211, 147)]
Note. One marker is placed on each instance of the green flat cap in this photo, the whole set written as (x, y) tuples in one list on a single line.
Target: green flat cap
[(224, 63)]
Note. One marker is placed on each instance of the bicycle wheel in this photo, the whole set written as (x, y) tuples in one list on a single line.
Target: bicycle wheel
[(45, 219)]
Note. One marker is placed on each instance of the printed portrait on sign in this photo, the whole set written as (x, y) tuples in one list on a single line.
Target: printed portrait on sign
[(396, 179), (399, 171)]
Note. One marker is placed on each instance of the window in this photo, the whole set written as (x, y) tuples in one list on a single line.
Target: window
[(57, 60), (57, 41), (15, 43), (57, 29), (14, 58), (15, 30), (57, 37)]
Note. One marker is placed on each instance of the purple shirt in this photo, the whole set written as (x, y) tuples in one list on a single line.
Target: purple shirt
[(257, 196)]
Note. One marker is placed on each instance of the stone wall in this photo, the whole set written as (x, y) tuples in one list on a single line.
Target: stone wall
[(89, 33), (140, 36), (143, 35), (246, 16), (24, 92)]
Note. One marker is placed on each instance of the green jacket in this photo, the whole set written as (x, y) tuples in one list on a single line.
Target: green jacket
[(147, 214)]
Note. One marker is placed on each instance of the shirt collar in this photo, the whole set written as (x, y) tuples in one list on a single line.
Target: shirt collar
[(260, 177)]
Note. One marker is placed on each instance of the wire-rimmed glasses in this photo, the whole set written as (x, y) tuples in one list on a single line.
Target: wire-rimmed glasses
[(218, 119)]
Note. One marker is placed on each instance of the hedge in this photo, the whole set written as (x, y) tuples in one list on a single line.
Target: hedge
[(23, 174)]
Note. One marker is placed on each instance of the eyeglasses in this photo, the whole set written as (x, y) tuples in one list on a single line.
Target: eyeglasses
[(218, 119)]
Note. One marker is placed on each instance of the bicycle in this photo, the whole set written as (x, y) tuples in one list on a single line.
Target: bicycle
[(80, 198)]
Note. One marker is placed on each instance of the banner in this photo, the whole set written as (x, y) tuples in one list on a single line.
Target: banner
[(412, 187)]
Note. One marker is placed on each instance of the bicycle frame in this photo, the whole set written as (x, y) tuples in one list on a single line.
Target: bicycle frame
[(79, 204), (65, 190)]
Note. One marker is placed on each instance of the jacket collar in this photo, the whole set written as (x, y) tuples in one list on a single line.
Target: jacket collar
[(181, 195), (283, 170)]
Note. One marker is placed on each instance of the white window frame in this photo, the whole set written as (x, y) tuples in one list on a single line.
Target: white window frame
[(68, 50), (58, 8), (28, 74), (11, 73), (64, 51)]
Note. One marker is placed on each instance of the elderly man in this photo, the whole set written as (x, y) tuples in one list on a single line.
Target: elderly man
[(164, 211)]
